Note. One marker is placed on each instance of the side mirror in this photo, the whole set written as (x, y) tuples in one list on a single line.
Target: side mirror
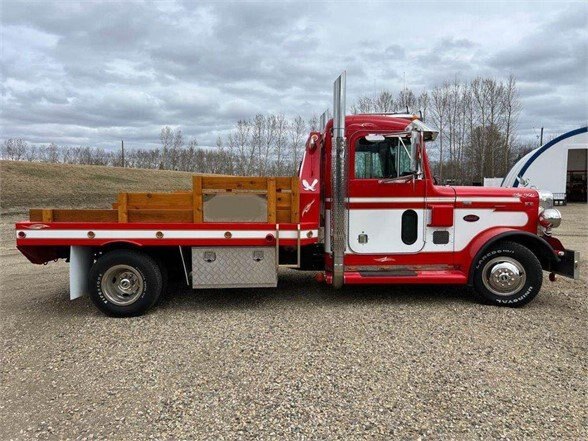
[(414, 150), (436, 180), (414, 156)]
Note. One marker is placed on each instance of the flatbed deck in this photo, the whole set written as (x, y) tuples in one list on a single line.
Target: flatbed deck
[(219, 211)]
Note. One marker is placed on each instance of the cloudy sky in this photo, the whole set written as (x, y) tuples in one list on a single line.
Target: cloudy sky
[(92, 73)]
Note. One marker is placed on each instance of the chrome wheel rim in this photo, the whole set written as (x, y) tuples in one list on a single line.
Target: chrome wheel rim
[(504, 276), (122, 285)]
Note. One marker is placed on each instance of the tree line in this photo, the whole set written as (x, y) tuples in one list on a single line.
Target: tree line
[(263, 145), (477, 123)]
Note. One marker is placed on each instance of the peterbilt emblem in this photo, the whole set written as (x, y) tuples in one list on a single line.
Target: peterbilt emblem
[(309, 187)]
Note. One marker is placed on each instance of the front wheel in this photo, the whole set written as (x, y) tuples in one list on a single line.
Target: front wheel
[(125, 283), (509, 274)]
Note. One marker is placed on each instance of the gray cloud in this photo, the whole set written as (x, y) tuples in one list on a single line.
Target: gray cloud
[(93, 72)]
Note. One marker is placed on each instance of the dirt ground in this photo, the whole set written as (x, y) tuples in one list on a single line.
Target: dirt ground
[(299, 362)]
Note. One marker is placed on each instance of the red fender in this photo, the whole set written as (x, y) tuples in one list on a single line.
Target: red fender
[(484, 238), (543, 249)]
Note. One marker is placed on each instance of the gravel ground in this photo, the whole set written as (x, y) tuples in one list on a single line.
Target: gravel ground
[(300, 362)]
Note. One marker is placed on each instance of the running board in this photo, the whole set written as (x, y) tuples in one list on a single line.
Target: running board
[(389, 273), (447, 277)]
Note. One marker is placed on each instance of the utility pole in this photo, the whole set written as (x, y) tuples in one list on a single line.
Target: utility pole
[(122, 148), (541, 138)]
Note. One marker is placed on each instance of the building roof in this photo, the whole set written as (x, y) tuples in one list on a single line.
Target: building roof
[(517, 172)]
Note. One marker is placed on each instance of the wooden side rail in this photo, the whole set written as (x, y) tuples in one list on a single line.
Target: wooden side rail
[(197, 201), (283, 196), (282, 193), (42, 215)]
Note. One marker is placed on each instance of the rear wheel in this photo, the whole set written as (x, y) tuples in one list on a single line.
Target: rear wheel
[(125, 283), (509, 274), (164, 277)]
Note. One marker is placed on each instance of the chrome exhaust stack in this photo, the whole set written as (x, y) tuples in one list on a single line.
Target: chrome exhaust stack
[(338, 182), (323, 120)]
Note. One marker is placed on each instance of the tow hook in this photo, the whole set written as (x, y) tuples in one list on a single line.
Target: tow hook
[(552, 277)]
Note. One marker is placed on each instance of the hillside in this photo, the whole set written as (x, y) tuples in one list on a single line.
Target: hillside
[(25, 185)]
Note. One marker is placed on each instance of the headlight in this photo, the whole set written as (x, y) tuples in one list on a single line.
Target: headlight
[(545, 199), (550, 218)]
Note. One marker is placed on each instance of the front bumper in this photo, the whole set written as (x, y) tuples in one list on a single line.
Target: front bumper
[(568, 265)]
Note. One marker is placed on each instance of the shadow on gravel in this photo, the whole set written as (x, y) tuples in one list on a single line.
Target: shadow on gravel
[(295, 289), (300, 289)]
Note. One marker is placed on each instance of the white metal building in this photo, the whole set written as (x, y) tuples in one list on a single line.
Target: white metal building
[(558, 166)]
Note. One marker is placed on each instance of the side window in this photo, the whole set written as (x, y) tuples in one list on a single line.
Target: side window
[(388, 158)]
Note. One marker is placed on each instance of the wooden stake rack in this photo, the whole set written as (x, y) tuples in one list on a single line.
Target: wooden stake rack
[(187, 207)]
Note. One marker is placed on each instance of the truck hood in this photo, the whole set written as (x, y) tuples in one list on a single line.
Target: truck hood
[(495, 192)]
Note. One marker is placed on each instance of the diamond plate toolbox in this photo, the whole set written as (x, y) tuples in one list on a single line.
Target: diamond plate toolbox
[(234, 267)]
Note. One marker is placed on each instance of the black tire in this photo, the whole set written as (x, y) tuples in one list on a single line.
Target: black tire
[(495, 275), (116, 270), (164, 277)]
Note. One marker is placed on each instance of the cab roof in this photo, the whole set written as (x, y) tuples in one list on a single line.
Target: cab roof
[(376, 122)]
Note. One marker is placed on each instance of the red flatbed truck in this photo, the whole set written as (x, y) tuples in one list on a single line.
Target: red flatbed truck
[(365, 209)]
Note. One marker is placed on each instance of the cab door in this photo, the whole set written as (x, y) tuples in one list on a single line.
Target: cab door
[(386, 198)]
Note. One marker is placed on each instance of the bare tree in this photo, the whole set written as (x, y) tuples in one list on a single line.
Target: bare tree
[(14, 149), (297, 133), (384, 102), (240, 144), (50, 153), (440, 101), (406, 100), (423, 104), (281, 142), (512, 109), (177, 144), (313, 123), (364, 104), (166, 138)]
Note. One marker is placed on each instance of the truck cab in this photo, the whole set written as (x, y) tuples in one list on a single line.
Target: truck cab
[(387, 221)]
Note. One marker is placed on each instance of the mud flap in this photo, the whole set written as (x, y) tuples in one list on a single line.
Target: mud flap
[(568, 265), (80, 262)]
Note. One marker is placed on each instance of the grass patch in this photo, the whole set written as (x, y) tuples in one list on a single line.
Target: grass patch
[(110, 179), (25, 185)]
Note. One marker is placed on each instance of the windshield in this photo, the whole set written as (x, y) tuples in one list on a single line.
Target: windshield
[(389, 158)]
